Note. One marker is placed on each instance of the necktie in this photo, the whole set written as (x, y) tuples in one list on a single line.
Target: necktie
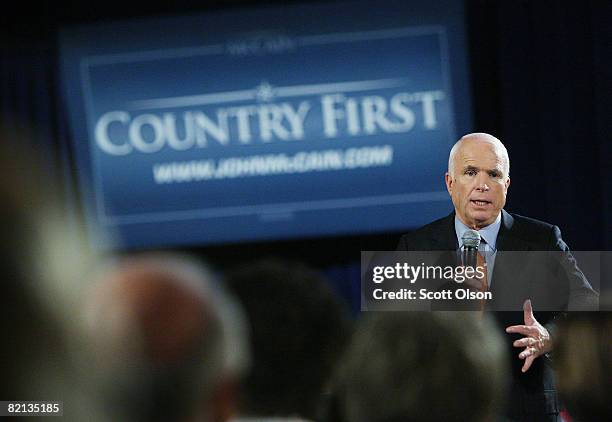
[(484, 283)]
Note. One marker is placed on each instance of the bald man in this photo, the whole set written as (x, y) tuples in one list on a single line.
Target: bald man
[(477, 180), (168, 342)]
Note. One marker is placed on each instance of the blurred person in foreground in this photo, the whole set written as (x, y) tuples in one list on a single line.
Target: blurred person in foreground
[(583, 365), (299, 329), (169, 343), (44, 262), (418, 366)]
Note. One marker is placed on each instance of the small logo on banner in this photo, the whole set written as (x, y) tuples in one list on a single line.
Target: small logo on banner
[(260, 43)]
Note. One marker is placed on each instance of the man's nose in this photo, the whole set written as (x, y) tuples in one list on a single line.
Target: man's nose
[(481, 184)]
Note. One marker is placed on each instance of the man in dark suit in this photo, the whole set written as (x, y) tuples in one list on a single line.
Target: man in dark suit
[(477, 181)]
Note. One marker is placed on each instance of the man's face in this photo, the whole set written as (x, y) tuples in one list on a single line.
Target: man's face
[(479, 184)]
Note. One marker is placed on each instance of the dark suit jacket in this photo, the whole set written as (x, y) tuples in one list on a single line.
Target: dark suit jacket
[(533, 396)]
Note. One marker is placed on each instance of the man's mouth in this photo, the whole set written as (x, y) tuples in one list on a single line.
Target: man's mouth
[(480, 203)]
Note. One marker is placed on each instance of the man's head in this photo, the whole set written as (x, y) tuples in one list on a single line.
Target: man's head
[(478, 178), (422, 366), (164, 339), (41, 282), (298, 330)]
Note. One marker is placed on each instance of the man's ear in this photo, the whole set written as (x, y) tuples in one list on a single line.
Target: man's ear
[(449, 183), (223, 404), (507, 184), (227, 400)]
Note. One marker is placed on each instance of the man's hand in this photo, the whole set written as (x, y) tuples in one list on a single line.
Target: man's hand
[(537, 341)]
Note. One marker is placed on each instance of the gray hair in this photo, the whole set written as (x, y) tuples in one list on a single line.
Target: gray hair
[(44, 263), (499, 147)]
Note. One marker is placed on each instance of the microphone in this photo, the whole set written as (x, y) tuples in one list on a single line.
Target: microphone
[(471, 241)]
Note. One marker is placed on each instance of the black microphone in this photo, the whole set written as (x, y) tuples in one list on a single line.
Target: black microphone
[(471, 241)]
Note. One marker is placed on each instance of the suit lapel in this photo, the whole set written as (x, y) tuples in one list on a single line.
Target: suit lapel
[(507, 287), (506, 238), (444, 237)]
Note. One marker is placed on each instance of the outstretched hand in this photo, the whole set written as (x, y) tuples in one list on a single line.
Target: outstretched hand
[(537, 340)]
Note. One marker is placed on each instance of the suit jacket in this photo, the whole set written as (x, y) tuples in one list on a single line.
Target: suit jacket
[(564, 286)]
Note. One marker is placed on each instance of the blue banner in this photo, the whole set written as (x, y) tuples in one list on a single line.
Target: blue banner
[(255, 124)]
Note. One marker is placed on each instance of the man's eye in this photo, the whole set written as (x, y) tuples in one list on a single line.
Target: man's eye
[(470, 172)]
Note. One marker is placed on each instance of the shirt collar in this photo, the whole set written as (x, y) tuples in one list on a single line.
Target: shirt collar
[(488, 233)]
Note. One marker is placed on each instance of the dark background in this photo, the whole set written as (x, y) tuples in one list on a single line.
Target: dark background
[(540, 82)]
